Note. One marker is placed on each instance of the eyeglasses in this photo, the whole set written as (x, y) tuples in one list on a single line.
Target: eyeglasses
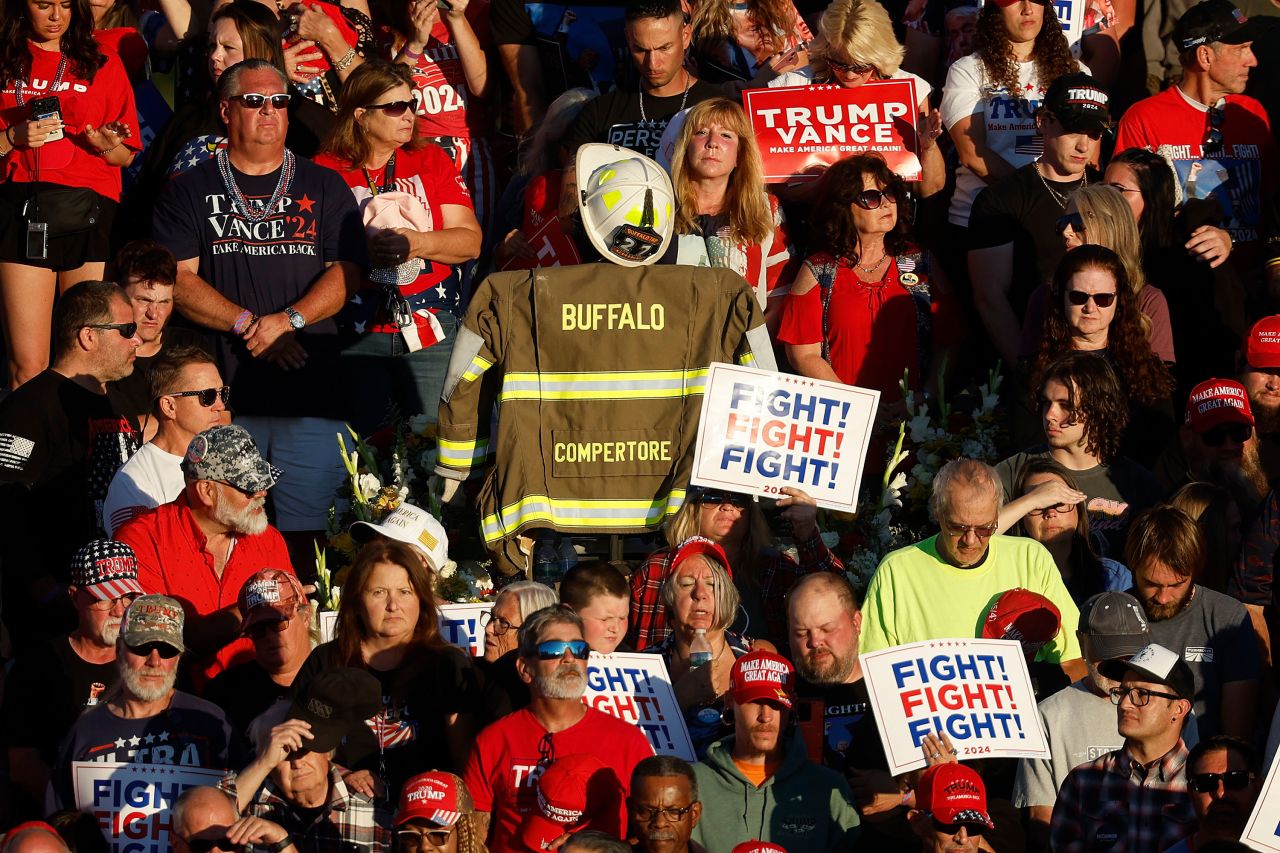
[(412, 839), (872, 199), (1212, 146), (126, 330), (1139, 696), (165, 650), (271, 626), (248, 493), (395, 109), (850, 67), (1123, 189), (647, 814), (982, 531), (206, 396), (500, 625), (718, 498), (1080, 297), (255, 100), (1060, 509), (1238, 433), (206, 845), (1207, 783), (555, 649), (103, 606), (1074, 221)]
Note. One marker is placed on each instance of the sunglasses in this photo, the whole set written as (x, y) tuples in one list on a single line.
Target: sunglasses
[(166, 651), (717, 498), (271, 626), (1212, 146), (254, 100), (1238, 433), (872, 199), (126, 330), (555, 649), (1074, 221), (206, 396), (205, 845), (982, 531), (105, 605), (395, 109), (411, 839), (850, 67), (954, 828), (1059, 509), (1079, 297), (1207, 783)]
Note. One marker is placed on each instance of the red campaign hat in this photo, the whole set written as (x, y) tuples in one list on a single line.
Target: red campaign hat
[(700, 545), (438, 797), (269, 595), (1022, 615), (761, 677), (754, 846), (567, 791), (953, 793), (1262, 344), (1218, 401)]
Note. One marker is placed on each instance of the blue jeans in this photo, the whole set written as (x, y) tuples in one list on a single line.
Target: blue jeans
[(378, 371)]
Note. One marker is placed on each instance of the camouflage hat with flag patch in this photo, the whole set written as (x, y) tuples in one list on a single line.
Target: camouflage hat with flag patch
[(412, 526), (227, 454), (153, 619), (106, 569)]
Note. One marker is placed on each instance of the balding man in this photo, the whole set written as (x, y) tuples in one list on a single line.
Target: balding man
[(33, 837), (205, 819), (943, 586)]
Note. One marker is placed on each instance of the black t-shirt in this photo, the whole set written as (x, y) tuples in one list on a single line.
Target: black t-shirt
[(851, 738), (131, 396), (615, 118), (49, 686), (243, 692), (1021, 210), (265, 267), (581, 44), (417, 701)]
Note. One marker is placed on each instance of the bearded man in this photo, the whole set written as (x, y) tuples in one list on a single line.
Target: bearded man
[(1220, 443), (202, 547), (143, 719), (510, 755)]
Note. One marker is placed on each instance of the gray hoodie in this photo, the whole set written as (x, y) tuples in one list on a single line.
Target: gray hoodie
[(804, 807)]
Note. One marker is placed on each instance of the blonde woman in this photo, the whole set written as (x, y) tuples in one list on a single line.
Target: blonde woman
[(1099, 215), (856, 45), (724, 215), (734, 40)]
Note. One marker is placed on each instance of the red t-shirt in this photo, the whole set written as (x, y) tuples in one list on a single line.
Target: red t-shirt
[(872, 327), (71, 161), (128, 44), (172, 560), (443, 104), (430, 176), (1242, 178), (508, 757)]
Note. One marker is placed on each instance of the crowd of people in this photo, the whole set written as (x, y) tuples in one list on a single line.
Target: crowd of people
[(229, 230)]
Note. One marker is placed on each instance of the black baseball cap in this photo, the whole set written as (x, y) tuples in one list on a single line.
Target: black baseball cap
[(1215, 21), (1078, 103), (334, 702)]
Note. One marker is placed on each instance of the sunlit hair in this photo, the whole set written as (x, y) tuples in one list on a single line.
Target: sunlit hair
[(862, 31), (746, 201), (1051, 53), (726, 594), (366, 85), (971, 474), (592, 579), (229, 82), (259, 30), (832, 228), (713, 25), (1166, 534), (1108, 221), (538, 621), (350, 630), (1095, 395), (1208, 505), (530, 597), (1128, 350), (687, 522)]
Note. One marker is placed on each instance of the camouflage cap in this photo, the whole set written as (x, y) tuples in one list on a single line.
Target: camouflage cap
[(153, 619), (227, 453)]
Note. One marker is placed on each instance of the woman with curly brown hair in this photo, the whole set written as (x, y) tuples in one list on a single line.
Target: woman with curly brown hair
[(990, 98), (732, 40), (1092, 308)]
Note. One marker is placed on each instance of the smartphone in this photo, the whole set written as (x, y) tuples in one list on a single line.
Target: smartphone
[(444, 4), (37, 241), (43, 108)]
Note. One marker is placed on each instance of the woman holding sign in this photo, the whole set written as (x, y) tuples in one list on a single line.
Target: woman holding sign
[(856, 45)]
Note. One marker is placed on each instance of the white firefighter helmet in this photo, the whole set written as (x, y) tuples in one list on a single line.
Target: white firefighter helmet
[(626, 202)]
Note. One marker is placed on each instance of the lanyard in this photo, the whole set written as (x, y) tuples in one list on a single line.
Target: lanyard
[(57, 79), (388, 178)]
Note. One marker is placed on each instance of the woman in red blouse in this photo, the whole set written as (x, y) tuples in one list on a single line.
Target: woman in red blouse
[(869, 303)]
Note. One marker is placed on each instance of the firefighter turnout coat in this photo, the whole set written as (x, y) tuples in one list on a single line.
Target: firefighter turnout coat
[(598, 373)]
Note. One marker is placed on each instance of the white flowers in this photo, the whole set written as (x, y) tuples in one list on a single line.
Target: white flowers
[(369, 485), (449, 569)]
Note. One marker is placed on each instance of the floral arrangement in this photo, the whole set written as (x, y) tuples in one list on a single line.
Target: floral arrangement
[(894, 512)]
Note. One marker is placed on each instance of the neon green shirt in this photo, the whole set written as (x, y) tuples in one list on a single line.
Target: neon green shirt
[(915, 595)]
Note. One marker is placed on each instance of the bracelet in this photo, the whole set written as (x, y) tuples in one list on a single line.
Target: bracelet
[(412, 54), (104, 152), (347, 58), (906, 795), (243, 322)]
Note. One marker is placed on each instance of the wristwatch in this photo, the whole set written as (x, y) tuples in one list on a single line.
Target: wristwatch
[(296, 320), (276, 846)]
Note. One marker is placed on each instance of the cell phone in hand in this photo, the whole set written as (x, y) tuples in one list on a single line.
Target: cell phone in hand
[(445, 5), (45, 108)]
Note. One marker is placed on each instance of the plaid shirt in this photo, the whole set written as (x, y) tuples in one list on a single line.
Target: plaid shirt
[(778, 572), (349, 821), (1116, 804)]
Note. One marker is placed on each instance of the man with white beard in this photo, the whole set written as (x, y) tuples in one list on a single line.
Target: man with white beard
[(143, 719), (202, 546), (509, 756), (67, 673)]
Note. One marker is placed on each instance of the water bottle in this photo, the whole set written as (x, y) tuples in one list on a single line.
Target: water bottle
[(546, 567), (700, 650), (566, 556)]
